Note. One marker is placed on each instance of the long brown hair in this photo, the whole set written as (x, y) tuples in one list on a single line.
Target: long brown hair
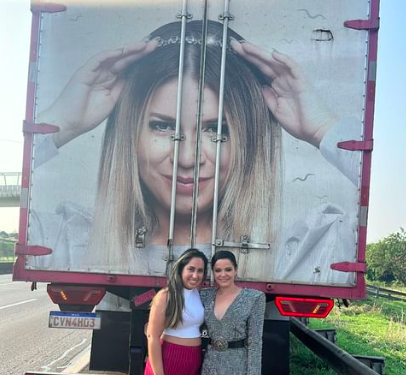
[(176, 301)]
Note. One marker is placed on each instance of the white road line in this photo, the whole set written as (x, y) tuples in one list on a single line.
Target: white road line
[(18, 303), (78, 363), (9, 284), (49, 365)]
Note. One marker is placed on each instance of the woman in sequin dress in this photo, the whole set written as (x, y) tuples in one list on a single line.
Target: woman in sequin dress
[(234, 318)]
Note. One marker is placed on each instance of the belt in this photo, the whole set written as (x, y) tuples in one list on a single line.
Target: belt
[(220, 344)]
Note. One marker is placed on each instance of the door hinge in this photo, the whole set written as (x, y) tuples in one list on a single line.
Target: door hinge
[(41, 6), (353, 145), (42, 128), (21, 249), (372, 24), (349, 267)]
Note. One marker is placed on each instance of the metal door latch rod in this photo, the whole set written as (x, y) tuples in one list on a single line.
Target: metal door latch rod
[(225, 18), (199, 120), (184, 17), (244, 245)]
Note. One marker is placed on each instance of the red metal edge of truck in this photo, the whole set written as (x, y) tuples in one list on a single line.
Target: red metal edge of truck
[(316, 252)]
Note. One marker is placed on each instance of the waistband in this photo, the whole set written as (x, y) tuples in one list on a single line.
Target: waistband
[(180, 347), (220, 344)]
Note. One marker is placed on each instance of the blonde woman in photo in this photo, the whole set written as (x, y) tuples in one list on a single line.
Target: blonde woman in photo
[(134, 89)]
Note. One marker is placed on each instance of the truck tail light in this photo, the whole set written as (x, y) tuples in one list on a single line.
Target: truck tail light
[(304, 307), (75, 295)]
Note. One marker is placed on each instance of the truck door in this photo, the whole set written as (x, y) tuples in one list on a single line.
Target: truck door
[(285, 193), (208, 124)]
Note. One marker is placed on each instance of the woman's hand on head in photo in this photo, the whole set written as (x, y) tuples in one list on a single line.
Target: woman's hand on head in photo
[(92, 92), (290, 97)]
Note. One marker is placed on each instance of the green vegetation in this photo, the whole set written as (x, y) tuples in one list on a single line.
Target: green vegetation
[(6, 251), (387, 259), (375, 327), (7, 246), (304, 362)]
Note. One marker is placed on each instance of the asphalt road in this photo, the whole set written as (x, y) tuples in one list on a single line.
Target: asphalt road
[(26, 342)]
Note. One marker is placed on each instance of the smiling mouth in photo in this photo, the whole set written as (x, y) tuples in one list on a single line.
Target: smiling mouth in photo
[(185, 184)]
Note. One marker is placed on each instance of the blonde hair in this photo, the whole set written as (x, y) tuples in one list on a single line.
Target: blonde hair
[(248, 198)]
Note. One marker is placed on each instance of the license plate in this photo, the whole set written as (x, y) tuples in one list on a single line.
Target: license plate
[(72, 320)]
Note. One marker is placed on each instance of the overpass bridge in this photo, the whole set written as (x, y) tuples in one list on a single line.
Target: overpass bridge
[(10, 189)]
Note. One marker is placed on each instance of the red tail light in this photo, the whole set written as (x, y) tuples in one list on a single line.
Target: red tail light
[(306, 307), (75, 295)]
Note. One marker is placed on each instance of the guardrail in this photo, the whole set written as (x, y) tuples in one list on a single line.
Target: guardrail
[(6, 268), (391, 294)]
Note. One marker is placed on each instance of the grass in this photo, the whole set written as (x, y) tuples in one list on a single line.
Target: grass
[(6, 251), (304, 362), (375, 327)]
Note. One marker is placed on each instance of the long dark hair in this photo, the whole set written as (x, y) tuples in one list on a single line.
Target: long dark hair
[(176, 302)]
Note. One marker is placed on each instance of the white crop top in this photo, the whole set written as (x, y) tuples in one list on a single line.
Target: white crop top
[(192, 315)]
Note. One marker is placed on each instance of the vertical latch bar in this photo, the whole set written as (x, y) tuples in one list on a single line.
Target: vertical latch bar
[(225, 17), (184, 17)]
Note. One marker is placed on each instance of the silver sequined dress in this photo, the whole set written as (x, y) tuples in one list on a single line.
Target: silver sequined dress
[(244, 319)]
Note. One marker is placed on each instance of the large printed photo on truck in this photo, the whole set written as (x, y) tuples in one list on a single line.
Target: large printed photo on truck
[(141, 156)]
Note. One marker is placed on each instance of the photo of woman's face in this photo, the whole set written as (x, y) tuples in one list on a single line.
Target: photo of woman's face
[(155, 148)]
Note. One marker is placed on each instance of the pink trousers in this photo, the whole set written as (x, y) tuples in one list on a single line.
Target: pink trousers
[(179, 360)]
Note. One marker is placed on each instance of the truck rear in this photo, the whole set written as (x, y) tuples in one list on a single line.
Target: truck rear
[(153, 127)]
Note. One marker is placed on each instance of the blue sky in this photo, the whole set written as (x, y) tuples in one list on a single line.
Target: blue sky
[(387, 211)]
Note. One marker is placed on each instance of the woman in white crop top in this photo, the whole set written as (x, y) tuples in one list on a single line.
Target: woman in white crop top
[(173, 332)]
